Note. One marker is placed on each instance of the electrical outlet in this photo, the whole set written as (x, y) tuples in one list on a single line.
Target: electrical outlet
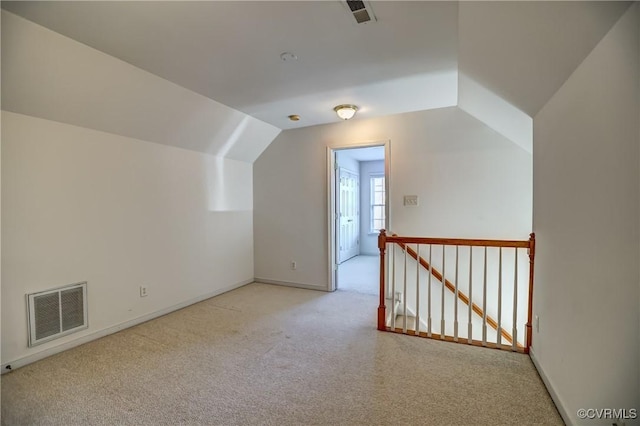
[(537, 324), (143, 291), (294, 265)]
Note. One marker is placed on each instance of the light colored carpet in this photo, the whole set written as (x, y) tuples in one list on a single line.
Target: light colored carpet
[(273, 355), (361, 274)]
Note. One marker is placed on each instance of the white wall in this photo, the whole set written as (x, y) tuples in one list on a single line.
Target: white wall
[(586, 194), (368, 241), (472, 182), (83, 205), (346, 161), (497, 113), (0, 240), (142, 204)]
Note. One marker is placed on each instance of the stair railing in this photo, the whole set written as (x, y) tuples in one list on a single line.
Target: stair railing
[(494, 285)]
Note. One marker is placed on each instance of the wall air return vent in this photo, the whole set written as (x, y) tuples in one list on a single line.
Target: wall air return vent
[(56, 313), (361, 10)]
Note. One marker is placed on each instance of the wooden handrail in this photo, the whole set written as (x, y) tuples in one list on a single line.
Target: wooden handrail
[(383, 239), (394, 238)]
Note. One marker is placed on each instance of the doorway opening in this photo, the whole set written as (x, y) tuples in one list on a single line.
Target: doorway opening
[(358, 209)]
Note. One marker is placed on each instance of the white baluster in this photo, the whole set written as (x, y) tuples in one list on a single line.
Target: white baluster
[(484, 301), (514, 333), (393, 286), (500, 298), (429, 293), (455, 303), (404, 290), (470, 327), (417, 326), (444, 279)]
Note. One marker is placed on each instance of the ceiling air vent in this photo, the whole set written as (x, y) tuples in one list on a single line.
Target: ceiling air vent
[(56, 313), (361, 11)]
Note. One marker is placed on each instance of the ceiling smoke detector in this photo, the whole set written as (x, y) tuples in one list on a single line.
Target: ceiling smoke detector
[(288, 57)]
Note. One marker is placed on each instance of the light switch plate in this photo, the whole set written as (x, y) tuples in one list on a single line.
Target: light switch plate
[(410, 200)]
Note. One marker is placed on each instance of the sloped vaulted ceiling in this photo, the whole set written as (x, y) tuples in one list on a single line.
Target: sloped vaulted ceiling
[(47, 75), (524, 51), (208, 75), (513, 56)]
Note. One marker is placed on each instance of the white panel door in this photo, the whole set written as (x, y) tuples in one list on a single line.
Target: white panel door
[(348, 215)]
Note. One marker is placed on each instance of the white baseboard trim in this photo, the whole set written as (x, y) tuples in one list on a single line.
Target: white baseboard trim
[(21, 362), (290, 284), (554, 396)]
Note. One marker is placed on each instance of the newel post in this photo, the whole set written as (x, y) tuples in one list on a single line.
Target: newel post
[(382, 245), (532, 255)]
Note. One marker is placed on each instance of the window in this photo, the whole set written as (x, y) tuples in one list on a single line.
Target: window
[(377, 203)]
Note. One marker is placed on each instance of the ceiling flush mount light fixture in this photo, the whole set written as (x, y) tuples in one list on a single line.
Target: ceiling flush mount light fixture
[(346, 112)]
